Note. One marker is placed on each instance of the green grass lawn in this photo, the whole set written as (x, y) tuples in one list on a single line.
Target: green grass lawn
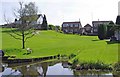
[(87, 48)]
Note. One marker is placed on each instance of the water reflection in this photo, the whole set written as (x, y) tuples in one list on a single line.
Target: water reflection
[(116, 74), (52, 68), (91, 74)]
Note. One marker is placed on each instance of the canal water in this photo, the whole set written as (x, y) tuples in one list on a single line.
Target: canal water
[(46, 69)]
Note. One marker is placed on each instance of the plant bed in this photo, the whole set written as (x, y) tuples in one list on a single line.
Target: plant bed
[(12, 59), (116, 66), (12, 56), (98, 66)]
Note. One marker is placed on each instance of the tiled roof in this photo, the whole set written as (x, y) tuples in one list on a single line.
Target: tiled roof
[(100, 21), (71, 22), (87, 25)]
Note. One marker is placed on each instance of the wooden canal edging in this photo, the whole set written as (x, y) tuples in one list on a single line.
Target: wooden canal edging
[(6, 59)]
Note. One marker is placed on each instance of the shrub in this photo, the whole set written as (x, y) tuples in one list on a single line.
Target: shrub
[(72, 55), (116, 66), (63, 55), (75, 61), (91, 65)]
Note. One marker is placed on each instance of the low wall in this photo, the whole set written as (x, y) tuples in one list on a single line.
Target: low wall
[(10, 61)]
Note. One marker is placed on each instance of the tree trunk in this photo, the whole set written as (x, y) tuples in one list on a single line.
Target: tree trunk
[(23, 40)]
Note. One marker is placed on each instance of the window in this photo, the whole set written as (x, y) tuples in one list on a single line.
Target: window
[(76, 25), (95, 30), (71, 30), (64, 25), (71, 25), (76, 30), (67, 25)]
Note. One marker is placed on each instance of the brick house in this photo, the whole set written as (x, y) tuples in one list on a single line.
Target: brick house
[(71, 27)]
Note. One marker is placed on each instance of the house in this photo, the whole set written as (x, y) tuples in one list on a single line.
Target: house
[(37, 22), (71, 27), (26, 20), (88, 28), (98, 23)]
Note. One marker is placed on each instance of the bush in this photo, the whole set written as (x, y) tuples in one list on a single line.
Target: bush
[(75, 61), (72, 55), (51, 27), (116, 66), (63, 55), (91, 65)]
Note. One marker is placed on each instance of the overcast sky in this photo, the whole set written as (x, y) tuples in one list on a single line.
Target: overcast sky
[(58, 11)]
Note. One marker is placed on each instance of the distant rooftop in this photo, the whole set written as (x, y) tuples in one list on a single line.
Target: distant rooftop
[(100, 21), (71, 22)]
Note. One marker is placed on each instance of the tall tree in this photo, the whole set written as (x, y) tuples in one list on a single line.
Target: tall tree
[(116, 26), (102, 31), (118, 20), (24, 26), (44, 25), (110, 32)]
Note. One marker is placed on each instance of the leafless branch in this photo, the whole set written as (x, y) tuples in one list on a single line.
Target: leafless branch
[(29, 32), (6, 20), (14, 36), (29, 37), (13, 31), (14, 12)]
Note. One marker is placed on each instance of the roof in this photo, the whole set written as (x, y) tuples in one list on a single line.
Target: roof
[(72, 22), (87, 25), (100, 21)]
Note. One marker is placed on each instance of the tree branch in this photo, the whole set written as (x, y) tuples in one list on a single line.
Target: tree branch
[(13, 31), (14, 36), (29, 32), (29, 37)]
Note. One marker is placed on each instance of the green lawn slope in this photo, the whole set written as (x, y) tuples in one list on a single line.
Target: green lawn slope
[(87, 48)]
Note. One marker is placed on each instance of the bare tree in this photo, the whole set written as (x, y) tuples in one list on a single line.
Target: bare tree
[(26, 19)]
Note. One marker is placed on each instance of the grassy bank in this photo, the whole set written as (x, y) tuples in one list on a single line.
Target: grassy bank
[(46, 43)]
